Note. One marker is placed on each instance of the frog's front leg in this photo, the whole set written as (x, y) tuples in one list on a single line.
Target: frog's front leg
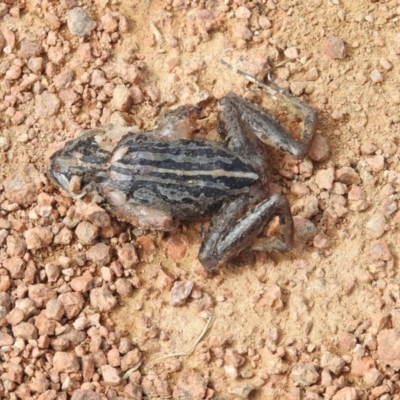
[(235, 227)]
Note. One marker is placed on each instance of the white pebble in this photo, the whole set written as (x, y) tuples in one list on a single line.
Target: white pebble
[(386, 64), (4, 143), (376, 76)]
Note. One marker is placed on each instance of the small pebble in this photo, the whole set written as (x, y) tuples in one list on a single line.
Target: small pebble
[(79, 22), (385, 64), (242, 13), (4, 143), (334, 47), (324, 178), (376, 163), (304, 374), (319, 149), (376, 76), (376, 225), (180, 292), (379, 250), (312, 74), (321, 241), (291, 53)]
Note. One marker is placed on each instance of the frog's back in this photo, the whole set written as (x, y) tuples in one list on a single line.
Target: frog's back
[(189, 178)]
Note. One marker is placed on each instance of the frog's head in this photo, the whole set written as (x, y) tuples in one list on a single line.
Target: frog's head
[(77, 165)]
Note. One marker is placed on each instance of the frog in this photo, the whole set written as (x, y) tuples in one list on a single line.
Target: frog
[(154, 178)]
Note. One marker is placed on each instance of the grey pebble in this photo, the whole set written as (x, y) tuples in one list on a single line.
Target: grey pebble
[(80, 22)]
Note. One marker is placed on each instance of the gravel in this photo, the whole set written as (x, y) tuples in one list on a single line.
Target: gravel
[(87, 303)]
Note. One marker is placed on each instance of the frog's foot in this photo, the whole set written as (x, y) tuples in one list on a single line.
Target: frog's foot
[(232, 229)]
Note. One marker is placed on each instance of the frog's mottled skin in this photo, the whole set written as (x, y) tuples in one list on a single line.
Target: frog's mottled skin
[(151, 178)]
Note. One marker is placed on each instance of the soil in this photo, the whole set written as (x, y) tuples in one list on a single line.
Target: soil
[(318, 322)]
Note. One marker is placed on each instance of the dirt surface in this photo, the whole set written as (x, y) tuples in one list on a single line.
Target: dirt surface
[(90, 307)]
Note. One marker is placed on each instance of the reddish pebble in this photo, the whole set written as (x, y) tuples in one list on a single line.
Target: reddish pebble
[(73, 303), (65, 362), (299, 189), (356, 193), (98, 79), (243, 13), (100, 254), (56, 55), (127, 255), (96, 215), (272, 297), (86, 232), (310, 207), (131, 358), (304, 230), (389, 347), (29, 49), (319, 150), (37, 238), (25, 330), (40, 294), (306, 168), (15, 246), (175, 244), (347, 393), (190, 381), (68, 4), (146, 248), (373, 378), (376, 225), (64, 237), (367, 148), (180, 292), (122, 98), (321, 241), (111, 376), (15, 266), (389, 206), (15, 316), (109, 23), (347, 175), (46, 104), (113, 357), (23, 186), (324, 178), (14, 72), (102, 299), (124, 287), (54, 309), (52, 272), (332, 362), (334, 47), (15, 373), (379, 251), (376, 163)]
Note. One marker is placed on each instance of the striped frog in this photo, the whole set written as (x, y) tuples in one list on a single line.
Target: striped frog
[(154, 178)]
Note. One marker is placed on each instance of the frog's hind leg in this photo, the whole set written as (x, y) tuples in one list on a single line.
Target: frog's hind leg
[(232, 229), (267, 128)]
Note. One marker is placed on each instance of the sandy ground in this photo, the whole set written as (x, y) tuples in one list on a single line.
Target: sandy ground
[(326, 303)]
